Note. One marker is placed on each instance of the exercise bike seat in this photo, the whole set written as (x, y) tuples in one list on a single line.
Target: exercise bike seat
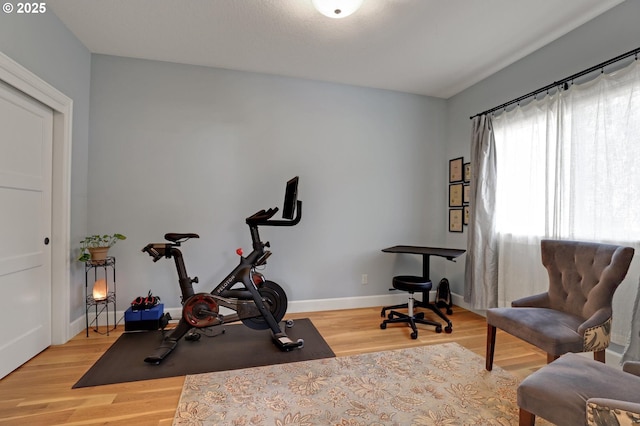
[(176, 237)]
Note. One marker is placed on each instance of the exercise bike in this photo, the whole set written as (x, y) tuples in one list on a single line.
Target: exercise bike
[(259, 303)]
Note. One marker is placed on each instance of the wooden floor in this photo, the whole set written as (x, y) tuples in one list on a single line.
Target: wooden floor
[(39, 392)]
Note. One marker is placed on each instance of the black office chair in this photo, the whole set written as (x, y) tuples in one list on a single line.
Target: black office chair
[(412, 284)]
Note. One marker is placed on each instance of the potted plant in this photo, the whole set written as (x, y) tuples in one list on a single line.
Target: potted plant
[(95, 247)]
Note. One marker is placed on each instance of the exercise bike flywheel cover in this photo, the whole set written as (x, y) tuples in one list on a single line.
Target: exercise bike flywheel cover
[(275, 300), (200, 310)]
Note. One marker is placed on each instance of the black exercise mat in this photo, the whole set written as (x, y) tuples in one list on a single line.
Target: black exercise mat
[(238, 347)]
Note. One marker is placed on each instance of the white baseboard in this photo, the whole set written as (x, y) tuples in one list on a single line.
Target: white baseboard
[(298, 306), (614, 352), (79, 325), (76, 326), (458, 300), (335, 304)]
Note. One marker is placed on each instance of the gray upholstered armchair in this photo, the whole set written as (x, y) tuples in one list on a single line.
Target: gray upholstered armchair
[(574, 315), (575, 390)]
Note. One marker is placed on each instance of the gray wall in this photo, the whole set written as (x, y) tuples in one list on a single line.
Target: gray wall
[(608, 35), (42, 44), (177, 148)]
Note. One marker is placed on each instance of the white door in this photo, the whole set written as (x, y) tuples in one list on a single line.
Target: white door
[(26, 141)]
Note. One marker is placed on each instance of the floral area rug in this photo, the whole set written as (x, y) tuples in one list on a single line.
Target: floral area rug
[(428, 385)]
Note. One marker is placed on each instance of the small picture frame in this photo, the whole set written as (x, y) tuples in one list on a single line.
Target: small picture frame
[(466, 194), (467, 172), (455, 195), (455, 170), (455, 220), (465, 215)]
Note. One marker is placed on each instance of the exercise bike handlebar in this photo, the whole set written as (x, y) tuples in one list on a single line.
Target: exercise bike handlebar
[(263, 217)]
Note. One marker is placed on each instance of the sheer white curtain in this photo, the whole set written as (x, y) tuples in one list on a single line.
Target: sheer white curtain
[(568, 167), (526, 141)]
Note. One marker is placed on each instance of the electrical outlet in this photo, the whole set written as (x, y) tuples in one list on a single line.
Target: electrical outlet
[(365, 279)]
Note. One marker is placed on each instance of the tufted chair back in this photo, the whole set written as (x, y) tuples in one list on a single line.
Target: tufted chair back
[(583, 276)]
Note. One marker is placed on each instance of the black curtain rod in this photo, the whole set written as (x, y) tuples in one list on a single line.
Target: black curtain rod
[(564, 81)]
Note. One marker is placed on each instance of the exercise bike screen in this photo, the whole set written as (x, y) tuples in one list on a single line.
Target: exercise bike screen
[(290, 198)]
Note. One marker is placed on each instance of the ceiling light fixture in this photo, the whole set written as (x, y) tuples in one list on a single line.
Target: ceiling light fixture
[(336, 8)]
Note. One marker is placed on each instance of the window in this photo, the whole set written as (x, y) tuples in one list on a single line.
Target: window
[(568, 164)]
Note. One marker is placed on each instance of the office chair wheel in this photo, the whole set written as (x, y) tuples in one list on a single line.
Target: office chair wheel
[(414, 335), (289, 323), (448, 330), (383, 325), (439, 329), (449, 311)]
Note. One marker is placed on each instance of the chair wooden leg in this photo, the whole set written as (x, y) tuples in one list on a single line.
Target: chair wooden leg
[(599, 355), (551, 358), (491, 345), (527, 418)]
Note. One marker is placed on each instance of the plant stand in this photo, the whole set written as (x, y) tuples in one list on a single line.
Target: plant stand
[(100, 269)]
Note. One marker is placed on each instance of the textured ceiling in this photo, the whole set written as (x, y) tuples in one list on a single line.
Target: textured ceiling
[(428, 47)]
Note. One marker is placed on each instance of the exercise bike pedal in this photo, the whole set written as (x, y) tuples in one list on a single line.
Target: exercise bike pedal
[(286, 344), (192, 337)]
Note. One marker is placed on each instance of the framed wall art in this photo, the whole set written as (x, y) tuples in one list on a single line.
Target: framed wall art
[(466, 194), (455, 170), (465, 213), (467, 172), (455, 195), (455, 220)]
